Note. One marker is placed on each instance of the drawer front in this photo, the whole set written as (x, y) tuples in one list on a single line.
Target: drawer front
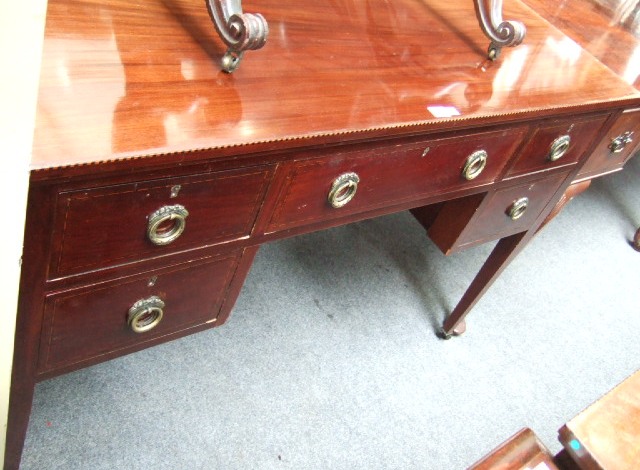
[(103, 227), (83, 324), (388, 175), (619, 144), (511, 210), (556, 145)]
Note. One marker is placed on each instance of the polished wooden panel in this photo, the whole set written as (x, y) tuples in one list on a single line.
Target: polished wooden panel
[(106, 226), (123, 80), (535, 155), (522, 451), (82, 324), (389, 174), (603, 160), (606, 436)]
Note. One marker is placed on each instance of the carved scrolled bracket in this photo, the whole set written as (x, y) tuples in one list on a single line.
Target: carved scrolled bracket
[(248, 31), (240, 31), (501, 33)]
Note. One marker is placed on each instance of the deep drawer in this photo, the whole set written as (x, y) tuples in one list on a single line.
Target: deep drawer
[(620, 143), (108, 226), (388, 175), (556, 144), (82, 324), (475, 219)]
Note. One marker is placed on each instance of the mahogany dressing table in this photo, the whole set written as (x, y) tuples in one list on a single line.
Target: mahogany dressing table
[(156, 177)]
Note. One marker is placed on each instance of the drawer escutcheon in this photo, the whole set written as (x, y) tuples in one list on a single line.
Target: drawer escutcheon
[(176, 215), (145, 314)]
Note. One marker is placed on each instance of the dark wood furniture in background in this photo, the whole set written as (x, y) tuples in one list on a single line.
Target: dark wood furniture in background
[(522, 451), (606, 435), (156, 177)]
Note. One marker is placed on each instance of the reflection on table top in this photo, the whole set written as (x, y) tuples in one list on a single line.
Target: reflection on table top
[(608, 29), (121, 79)]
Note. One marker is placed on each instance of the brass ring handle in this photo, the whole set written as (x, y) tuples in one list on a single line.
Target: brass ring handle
[(618, 144), (518, 208), (175, 215), (559, 147), (474, 165), (343, 189), (145, 314)]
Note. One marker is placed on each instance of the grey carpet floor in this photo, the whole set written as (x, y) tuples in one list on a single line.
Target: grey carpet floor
[(329, 360)]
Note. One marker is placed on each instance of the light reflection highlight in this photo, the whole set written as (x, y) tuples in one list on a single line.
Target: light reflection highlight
[(632, 72), (443, 111), (566, 48)]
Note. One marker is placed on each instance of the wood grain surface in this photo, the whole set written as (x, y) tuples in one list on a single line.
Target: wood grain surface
[(125, 80), (522, 451), (604, 32), (607, 434)]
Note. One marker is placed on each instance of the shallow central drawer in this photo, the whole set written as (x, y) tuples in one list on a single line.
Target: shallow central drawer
[(355, 181), (107, 226)]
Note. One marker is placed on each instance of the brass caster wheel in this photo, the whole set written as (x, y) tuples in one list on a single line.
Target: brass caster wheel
[(493, 52)]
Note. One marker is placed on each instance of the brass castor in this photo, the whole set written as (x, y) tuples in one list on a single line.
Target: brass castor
[(460, 328)]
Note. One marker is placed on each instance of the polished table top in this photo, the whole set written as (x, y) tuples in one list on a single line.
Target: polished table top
[(122, 80), (608, 29)]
